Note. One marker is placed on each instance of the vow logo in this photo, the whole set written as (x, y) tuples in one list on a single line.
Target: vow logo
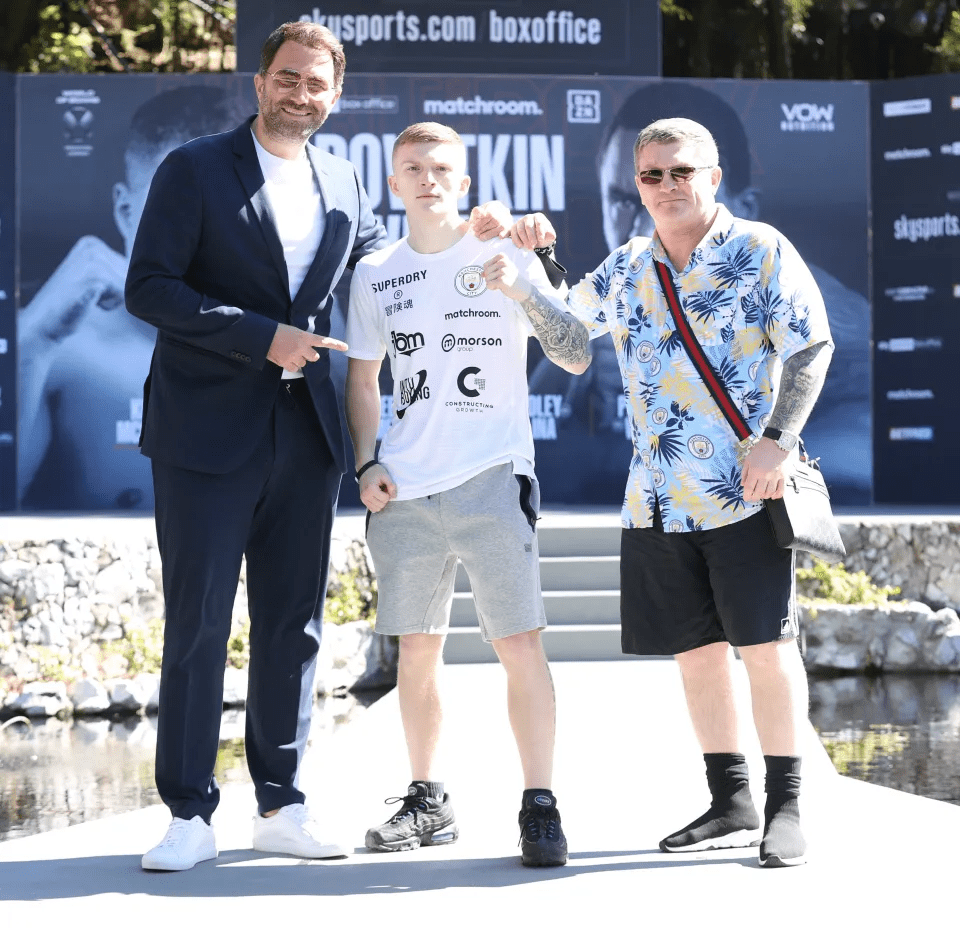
[(807, 117)]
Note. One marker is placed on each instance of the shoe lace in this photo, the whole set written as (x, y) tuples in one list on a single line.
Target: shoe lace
[(174, 832), (537, 823), (412, 806), (298, 813)]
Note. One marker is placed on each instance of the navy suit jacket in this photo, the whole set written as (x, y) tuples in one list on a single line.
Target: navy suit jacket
[(207, 269)]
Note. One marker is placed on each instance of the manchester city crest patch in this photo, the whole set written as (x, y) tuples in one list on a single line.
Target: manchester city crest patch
[(469, 281)]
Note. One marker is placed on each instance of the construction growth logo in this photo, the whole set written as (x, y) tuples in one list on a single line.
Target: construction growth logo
[(469, 383), (471, 386)]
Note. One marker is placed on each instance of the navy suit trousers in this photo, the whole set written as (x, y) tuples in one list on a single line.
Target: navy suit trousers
[(277, 509)]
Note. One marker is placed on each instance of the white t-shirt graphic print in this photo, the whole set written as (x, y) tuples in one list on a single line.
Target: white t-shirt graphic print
[(458, 355)]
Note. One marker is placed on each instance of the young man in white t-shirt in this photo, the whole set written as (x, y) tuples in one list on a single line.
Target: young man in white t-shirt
[(454, 479)]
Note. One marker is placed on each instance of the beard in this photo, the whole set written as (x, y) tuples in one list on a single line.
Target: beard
[(280, 126)]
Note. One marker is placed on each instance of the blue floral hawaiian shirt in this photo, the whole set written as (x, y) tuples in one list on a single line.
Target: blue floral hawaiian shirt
[(752, 303)]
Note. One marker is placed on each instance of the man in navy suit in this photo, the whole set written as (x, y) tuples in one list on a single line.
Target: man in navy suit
[(243, 238)]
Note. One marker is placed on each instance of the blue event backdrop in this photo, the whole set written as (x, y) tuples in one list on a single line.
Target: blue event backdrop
[(8, 326), (916, 288), (797, 156)]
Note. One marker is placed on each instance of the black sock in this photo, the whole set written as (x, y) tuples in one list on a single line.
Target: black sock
[(530, 799), (732, 816), (432, 789), (783, 843)]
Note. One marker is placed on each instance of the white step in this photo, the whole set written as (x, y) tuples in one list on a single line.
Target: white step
[(568, 573), (583, 538), (563, 607), (561, 642), (580, 577)]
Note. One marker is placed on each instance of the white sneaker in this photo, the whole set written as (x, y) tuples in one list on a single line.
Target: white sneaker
[(186, 843), (292, 831)]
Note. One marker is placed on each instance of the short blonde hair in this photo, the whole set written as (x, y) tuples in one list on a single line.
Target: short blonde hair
[(421, 132), (677, 129)]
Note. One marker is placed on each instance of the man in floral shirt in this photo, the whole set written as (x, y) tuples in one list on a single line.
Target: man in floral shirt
[(700, 570)]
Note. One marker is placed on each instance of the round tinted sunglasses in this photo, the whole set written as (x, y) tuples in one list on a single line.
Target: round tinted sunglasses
[(680, 175)]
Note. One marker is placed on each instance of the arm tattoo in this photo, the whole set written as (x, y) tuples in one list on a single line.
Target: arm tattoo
[(564, 338), (800, 384)]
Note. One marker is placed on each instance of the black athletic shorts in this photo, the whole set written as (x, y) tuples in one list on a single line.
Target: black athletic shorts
[(683, 590)]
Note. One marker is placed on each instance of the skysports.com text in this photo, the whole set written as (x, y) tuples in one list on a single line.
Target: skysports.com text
[(558, 27)]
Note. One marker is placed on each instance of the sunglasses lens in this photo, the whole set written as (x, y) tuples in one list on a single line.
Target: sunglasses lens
[(679, 174), (651, 178)]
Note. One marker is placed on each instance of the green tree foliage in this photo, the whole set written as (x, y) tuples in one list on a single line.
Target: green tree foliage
[(826, 39), (835, 40), (118, 35), (949, 49), (835, 584)]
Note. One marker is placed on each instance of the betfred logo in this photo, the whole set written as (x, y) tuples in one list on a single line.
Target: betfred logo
[(807, 117)]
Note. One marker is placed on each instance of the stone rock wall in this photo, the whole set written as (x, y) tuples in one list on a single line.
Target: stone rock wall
[(921, 555), (68, 603), (898, 636)]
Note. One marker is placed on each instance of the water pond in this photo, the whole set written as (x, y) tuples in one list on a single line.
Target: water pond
[(897, 730)]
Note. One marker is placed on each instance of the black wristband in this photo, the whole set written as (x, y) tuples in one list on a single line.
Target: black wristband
[(365, 468)]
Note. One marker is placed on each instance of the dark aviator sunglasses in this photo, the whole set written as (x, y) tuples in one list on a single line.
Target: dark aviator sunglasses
[(680, 175)]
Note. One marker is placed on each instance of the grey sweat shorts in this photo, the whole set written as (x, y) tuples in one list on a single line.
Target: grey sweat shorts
[(488, 523)]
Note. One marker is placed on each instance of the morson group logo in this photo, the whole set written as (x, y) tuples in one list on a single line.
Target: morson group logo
[(807, 117)]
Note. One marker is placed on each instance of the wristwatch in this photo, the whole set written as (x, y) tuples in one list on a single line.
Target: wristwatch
[(786, 441)]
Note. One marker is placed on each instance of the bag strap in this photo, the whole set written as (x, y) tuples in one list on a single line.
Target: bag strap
[(690, 342)]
